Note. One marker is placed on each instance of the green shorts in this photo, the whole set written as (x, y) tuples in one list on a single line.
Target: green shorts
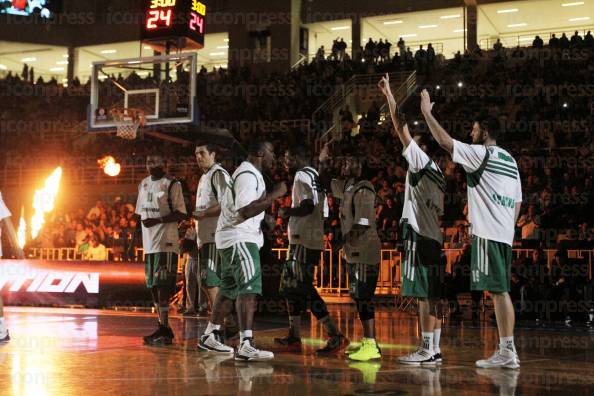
[(240, 270), (298, 271), (362, 280), (490, 265), (422, 270), (161, 269), (210, 265)]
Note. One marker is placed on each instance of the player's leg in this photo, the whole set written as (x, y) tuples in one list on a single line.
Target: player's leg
[(212, 339), (248, 276), (491, 271), (4, 336), (151, 284), (362, 284), (191, 274), (165, 267)]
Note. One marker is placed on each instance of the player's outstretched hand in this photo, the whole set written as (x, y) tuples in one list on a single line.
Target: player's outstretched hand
[(279, 190), (426, 104), (384, 85), (325, 153), (148, 223)]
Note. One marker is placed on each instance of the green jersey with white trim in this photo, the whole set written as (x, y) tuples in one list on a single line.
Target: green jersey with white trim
[(494, 188)]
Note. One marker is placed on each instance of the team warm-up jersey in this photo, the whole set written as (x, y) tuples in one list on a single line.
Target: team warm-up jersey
[(4, 214), (308, 231), (494, 188), (246, 186), (211, 188), (423, 194), (357, 206), (153, 202)]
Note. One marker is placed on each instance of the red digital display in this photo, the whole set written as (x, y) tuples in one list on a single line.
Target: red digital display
[(167, 19)]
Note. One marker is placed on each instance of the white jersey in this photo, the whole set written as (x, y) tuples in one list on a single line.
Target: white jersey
[(308, 231), (4, 214), (153, 202), (247, 185), (357, 206), (211, 188), (494, 189), (423, 194)]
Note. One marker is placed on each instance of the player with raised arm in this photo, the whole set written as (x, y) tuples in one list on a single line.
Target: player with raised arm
[(160, 206), (494, 200), (6, 222), (306, 243), (239, 238), (361, 245), (422, 271), (211, 188)]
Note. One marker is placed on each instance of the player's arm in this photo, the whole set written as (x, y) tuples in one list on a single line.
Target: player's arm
[(364, 213), (245, 191), (179, 209), (305, 208), (220, 184), (308, 195), (12, 237), (439, 134), (400, 128), (325, 168), (518, 208)]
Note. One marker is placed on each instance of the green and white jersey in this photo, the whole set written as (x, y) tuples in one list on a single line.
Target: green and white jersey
[(211, 186), (308, 231), (357, 206), (494, 188), (423, 194), (246, 186)]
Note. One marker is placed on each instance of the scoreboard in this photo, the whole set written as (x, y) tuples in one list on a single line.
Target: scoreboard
[(167, 20)]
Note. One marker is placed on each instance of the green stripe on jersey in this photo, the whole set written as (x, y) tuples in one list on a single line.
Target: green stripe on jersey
[(502, 169), (502, 164), (501, 173)]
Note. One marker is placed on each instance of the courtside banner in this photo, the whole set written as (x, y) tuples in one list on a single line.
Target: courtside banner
[(90, 284)]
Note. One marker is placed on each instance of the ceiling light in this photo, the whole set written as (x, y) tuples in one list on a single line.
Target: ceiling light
[(507, 11), (392, 22), (565, 105), (427, 26), (216, 53), (577, 3), (226, 40), (416, 122), (56, 69), (579, 19), (450, 16), (513, 25), (62, 63), (64, 55), (32, 59), (408, 35), (3, 67), (459, 30), (111, 51), (340, 28), (223, 47), (460, 84), (437, 87), (147, 47)]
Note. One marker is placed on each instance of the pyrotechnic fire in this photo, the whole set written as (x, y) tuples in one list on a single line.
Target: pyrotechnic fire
[(22, 231), (109, 165), (43, 201)]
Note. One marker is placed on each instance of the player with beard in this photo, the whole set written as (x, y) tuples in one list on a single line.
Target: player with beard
[(494, 201), (6, 221), (160, 206), (306, 243)]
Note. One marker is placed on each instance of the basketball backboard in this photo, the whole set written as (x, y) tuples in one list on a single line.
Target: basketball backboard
[(162, 87)]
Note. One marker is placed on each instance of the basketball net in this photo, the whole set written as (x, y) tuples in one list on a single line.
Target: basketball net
[(127, 122)]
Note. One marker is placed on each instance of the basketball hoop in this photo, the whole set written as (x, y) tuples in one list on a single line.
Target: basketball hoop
[(127, 122)]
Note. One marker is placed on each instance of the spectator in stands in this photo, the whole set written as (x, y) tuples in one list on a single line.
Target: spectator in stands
[(529, 223), (498, 46), (589, 40), (460, 237), (96, 251), (554, 41), (576, 40), (320, 55), (401, 48), (430, 56), (563, 42), (421, 59), (388, 214), (537, 42)]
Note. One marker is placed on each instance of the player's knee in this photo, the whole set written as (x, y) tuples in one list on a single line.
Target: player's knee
[(366, 309), (319, 309)]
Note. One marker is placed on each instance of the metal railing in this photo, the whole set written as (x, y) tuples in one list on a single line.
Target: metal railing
[(331, 275)]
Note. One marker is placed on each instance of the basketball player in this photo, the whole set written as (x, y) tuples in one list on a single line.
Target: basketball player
[(161, 206), (494, 200), (211, 188), (6, 221), (306, 243), (238, 239), (361, 247), (422, 272)]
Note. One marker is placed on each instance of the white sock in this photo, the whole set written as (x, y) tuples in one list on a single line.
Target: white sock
[(211, 327), (436, 337), (507, 343), (2, 326), (427, 340), (245, 334)]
